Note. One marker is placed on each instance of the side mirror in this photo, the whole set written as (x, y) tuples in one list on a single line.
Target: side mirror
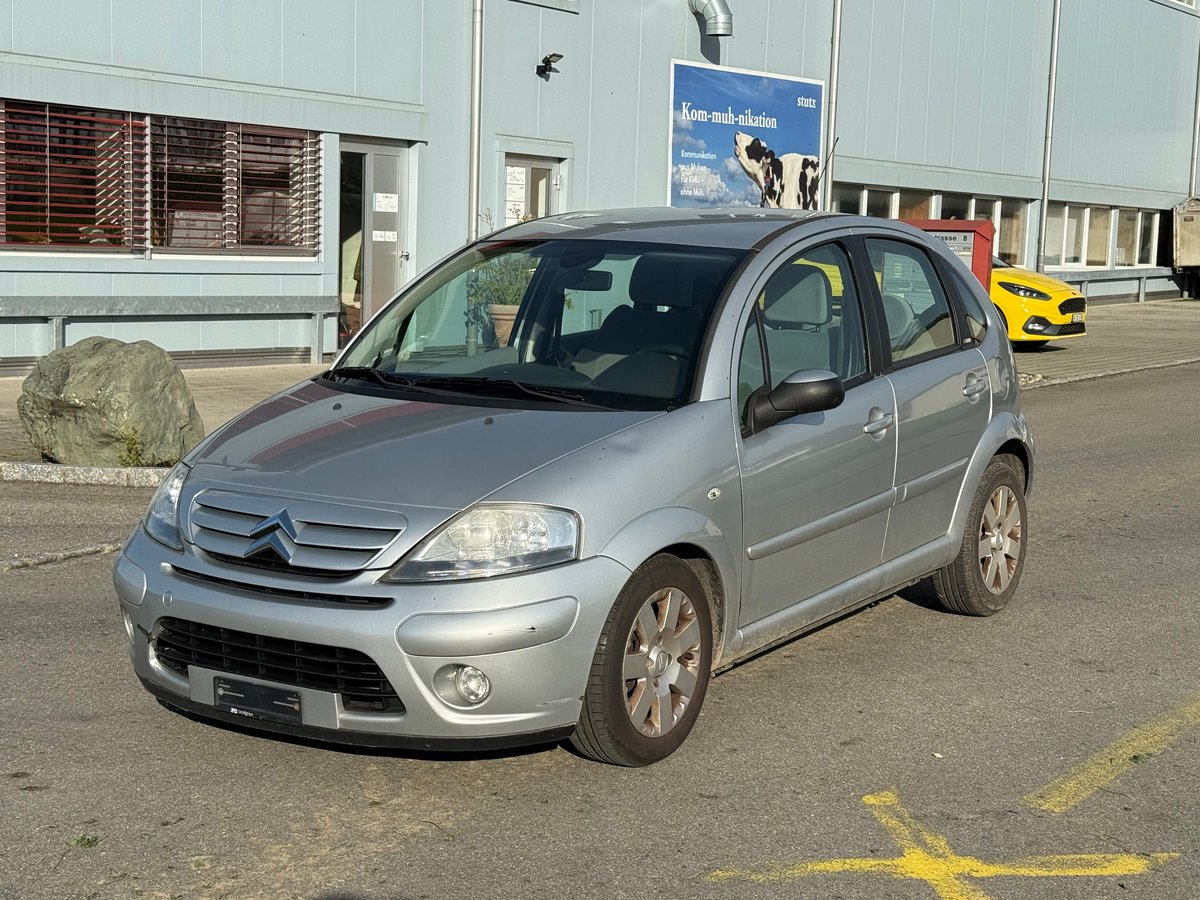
[(806, 391)]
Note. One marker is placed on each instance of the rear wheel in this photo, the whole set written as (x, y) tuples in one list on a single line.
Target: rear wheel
[(983, 577), (651, 668)]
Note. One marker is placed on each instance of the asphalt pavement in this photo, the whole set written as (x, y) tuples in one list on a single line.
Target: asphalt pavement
[(898, 753)]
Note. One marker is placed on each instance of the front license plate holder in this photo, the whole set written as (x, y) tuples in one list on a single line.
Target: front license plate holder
[(257, 701), (1076, 318)]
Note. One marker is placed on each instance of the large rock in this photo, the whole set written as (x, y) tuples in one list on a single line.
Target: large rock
[(102, 402)]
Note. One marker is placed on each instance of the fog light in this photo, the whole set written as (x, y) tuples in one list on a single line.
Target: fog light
[(1036, 325), (472, 684), (128, 626)]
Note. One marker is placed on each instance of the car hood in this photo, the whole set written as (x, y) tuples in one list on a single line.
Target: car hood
[(1034, 280), (316, 441)]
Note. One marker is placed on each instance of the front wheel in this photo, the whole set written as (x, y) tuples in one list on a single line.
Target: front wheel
[(983, 577), (651, 668)]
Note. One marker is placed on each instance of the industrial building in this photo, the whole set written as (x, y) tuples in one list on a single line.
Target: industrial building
[(246, 181)]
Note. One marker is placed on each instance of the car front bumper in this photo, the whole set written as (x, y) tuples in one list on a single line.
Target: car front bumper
[(534, 635), (1064, 315)]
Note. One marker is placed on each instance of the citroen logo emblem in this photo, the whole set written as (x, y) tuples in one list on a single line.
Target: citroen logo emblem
[(276, 532)]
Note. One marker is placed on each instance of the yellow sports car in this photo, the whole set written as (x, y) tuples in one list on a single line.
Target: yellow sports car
[(1036, 308)]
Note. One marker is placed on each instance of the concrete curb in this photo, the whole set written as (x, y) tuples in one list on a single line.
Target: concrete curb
[(52, 473), (42, 559), (1038, 381)]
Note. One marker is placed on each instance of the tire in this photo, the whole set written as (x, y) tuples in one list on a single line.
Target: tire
[(651, 668), (984, 576)]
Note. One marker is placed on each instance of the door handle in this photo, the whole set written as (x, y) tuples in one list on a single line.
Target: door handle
[(883, 423), (974, 387)]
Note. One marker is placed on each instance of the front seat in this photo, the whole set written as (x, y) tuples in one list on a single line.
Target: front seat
[(665, 314), (797, 313)]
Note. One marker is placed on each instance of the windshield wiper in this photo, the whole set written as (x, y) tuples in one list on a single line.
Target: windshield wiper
[(367, 372), (487, 385)]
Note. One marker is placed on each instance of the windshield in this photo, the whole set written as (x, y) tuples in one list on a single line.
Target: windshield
[(603, 323)]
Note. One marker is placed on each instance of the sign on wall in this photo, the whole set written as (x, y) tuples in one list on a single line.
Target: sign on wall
[(741, 138)]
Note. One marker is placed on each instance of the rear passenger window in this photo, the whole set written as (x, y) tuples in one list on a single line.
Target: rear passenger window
[(976, 319), (812, 318), (914, 304)]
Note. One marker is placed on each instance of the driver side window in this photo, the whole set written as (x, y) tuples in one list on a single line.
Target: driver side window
[(812, 318), (808, 316)]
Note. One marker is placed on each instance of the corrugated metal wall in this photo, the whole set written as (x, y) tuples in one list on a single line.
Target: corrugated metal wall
[(935, 94)]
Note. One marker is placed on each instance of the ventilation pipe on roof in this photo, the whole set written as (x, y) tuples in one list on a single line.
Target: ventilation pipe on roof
[(718, 20)]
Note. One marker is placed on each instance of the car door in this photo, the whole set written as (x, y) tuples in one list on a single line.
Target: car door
[(816, 488), (942, 389)]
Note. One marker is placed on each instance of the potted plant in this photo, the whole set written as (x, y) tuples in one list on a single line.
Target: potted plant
[(497, 286)]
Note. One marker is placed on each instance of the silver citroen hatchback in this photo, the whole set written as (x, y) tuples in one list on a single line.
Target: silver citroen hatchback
[(577, 468)]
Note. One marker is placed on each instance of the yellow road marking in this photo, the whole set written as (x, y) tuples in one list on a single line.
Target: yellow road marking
[(927, 857), (1116, 759)]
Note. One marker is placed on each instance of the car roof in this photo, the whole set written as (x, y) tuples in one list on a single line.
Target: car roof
[(736, 228)]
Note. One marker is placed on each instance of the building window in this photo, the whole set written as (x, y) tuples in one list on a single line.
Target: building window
[(956, 206), (74, 177), (1073, 240), (879, 203), (1128, 224), (914, 205), (1072, 230), (1147, 240), (1056, 216), (1007, 214), (1010, 241), (984, 208), (71, 177), (1099, 228), (226, 186), (847, 198)]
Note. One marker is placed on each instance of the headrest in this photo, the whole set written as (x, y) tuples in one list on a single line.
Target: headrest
[(798, 295), (661, 279)]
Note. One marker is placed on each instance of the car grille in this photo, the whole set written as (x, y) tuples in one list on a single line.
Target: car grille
[(290, 537), (1074, 305), (363, 686), (278, 593), (1072, 328)]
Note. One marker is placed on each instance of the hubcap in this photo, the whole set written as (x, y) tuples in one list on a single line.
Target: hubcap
[(662, 661), (1000, 540)]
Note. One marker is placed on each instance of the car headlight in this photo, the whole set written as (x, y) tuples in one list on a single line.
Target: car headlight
[(162, 518), (1024, 292), (492, 540)]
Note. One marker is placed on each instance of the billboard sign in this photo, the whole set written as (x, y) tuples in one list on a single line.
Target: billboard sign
[(742, 138)]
